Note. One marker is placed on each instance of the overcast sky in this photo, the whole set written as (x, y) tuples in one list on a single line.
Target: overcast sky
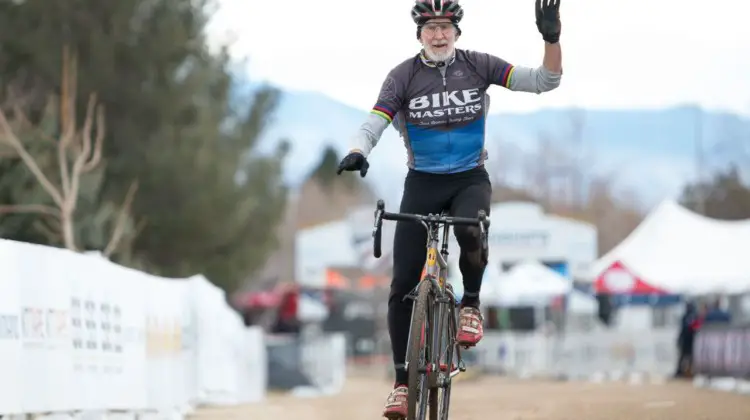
[(635, 53)]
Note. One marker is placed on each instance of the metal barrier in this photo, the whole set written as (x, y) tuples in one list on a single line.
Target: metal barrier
[(323, 361), (521, 354), (580, 355), (284, 363), (304, 361), (722, 351)]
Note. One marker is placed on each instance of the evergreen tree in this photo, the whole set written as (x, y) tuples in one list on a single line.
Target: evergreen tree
[(726, 196), (171, 127)]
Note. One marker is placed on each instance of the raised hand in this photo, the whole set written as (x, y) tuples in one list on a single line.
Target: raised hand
[(548, 20)]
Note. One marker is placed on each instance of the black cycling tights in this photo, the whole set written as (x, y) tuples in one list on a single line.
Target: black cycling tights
[(463, 195)]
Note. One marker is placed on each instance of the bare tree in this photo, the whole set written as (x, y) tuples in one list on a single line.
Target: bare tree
[(580, 155), (733, 145), (547, 170), (504, 161), (557, 171), (79, 151)]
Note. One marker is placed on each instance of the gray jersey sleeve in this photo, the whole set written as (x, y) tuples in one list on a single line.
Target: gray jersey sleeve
[(390, 101), (368, 134), (516, 78)]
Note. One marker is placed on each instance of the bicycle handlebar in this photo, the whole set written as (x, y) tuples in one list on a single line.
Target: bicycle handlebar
[(431, 219)]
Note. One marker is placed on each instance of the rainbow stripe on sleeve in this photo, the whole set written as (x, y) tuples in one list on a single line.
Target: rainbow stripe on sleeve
[(383, 111), (507, 76)]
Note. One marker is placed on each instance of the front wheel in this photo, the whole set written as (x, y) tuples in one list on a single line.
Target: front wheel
[(441, 394), (451, 318), (418, 355)]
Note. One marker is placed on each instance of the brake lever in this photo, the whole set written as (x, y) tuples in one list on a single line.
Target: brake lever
[(377, 229), (378, 221), (483, 236), (482, 222), (379, 210)]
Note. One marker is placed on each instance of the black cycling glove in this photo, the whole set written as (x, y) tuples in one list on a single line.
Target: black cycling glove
[(548, 20), (354, 161)]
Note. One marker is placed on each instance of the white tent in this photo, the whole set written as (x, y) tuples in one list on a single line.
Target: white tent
[(684, 252), (528, 283), (581, 303)]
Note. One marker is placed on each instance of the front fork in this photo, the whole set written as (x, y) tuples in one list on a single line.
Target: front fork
[(435, 315)]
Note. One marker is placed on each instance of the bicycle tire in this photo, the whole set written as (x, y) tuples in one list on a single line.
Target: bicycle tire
[(418, 320), (434, 404), (452, 320), (440, 396)]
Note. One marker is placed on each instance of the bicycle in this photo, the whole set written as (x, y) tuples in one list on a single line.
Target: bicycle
[(430, 354)]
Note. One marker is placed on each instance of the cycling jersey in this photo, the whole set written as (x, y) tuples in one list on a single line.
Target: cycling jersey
[(440, 111)]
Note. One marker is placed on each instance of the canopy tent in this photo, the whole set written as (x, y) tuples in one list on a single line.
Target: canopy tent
[(627, 288), (678, 251), (581, 303), (619, 279), (528, 283)]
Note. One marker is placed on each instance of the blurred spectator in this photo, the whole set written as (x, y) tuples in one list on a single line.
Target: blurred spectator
[(690, 323), (717, 315), (287, 320)]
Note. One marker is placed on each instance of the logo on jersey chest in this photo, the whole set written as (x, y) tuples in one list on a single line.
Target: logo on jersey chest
[(442, 104)]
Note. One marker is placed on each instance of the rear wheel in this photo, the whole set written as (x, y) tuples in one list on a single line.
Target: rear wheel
[(418, 356)]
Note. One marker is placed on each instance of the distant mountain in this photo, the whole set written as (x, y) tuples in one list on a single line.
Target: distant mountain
[(652, 151)]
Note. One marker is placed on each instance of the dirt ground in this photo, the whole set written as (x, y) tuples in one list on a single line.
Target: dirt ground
[(505, 399)]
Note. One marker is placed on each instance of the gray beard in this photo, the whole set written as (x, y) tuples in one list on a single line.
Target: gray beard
[(433, 56)]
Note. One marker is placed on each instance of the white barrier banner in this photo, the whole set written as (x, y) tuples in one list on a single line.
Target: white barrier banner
[(79, 333), (166, 379), (255, 375), (217, 381), (45, 333), (126, 290), (10, 334), (106, 321)]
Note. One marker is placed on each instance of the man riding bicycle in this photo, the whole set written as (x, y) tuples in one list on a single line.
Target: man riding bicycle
[(438, 103)]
